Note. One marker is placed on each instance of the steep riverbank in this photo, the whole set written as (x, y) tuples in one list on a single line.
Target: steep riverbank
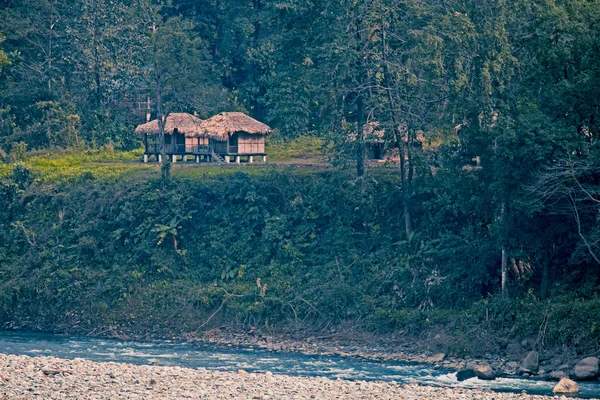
[(23, 377)]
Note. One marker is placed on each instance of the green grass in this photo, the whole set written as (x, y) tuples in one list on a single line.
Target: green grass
[(5, 170), (64, 166), (302, 148)]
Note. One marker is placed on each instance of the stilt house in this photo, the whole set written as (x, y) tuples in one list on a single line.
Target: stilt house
[(226, 137), (183, 136), (374, 142), (234, 135)]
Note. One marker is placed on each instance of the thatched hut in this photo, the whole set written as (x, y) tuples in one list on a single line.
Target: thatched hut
[(374, 140), (183, 136), (235, 134), (225, 137)]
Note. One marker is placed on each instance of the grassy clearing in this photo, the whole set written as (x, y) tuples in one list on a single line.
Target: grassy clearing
[(56, 166), (302, 148), (69, 165)]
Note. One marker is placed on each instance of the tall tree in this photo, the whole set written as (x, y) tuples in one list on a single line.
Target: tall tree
[(175, 65)]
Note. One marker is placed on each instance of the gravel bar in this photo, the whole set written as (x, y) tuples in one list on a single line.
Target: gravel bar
[(24, 377)]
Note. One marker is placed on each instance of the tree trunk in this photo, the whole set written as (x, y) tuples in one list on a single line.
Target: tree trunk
[(360, 104), (504, 264), (402, 149), (504, 274), (545, 273), (360, 138), (166, 163), (162, 119)]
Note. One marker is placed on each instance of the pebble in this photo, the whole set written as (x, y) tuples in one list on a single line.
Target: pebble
[(86, 380)]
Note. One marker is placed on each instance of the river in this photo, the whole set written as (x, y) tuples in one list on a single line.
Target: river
[(226, 358)]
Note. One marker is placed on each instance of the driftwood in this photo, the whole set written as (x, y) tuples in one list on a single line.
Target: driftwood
[(52, 372)]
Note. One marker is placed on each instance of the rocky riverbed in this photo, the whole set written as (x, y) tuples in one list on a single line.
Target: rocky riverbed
[(389, 348), (24, 377)]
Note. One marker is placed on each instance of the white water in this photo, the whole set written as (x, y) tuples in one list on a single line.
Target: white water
[(226, 358)]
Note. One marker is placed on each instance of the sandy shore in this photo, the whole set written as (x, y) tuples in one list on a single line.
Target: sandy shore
[(23, 377)]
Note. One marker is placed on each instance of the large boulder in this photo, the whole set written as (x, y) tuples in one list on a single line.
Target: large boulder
[(531, 364), (558, 375), (436, 358), (485, 372), (586, 369), (566, 386), (465, 374)]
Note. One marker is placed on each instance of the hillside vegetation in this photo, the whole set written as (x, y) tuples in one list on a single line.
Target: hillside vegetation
[(483, 225), (281, 249)]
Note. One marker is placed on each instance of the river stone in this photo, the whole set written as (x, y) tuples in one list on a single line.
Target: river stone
[(566, 386), (436, 358), (485, 372), (586, 369), (465, 374), (531, 364)]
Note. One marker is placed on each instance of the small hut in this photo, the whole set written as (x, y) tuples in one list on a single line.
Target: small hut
[(183, 136), (227, 137), (374, 141), (235, 135), (372, 136)]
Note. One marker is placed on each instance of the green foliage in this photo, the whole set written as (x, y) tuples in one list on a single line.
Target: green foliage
[(274, 246), (18, 151), (21, 175), (4, 60), (90, 234)]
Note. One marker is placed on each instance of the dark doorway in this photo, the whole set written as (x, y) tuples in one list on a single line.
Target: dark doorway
[(233, 144)]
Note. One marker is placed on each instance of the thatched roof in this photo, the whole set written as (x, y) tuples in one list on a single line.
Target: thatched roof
[(184, 123), (224, 124), (372, 133)]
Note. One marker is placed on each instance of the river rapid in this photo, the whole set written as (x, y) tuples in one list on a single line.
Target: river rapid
[(232, 359)]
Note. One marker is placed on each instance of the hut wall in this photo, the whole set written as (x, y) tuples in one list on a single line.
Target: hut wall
[(251, 144), (195, 144), (219, 147), (375, 151)]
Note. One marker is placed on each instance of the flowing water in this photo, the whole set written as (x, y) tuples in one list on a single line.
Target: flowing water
[(224, 358)]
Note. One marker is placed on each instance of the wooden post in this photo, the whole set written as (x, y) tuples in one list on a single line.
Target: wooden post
[(504, 271)]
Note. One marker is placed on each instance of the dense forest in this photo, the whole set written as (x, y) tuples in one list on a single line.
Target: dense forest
[(493, 107)]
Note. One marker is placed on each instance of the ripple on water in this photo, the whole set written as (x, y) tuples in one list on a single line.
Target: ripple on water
[(232, 359)]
